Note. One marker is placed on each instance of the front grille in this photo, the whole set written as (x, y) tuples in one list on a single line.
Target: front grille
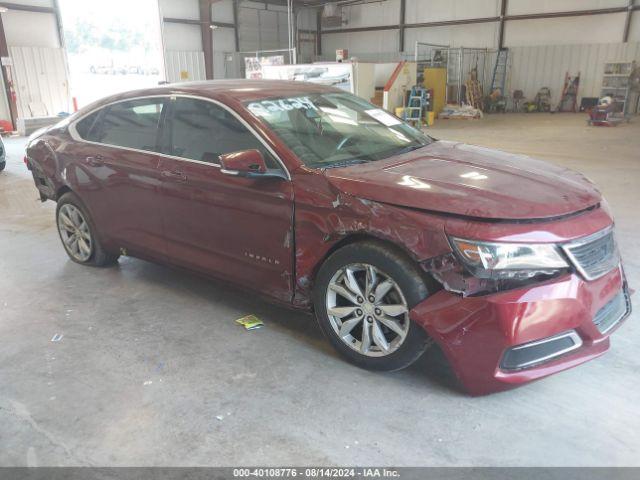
[(540, 351), (614, 310), (594, 255)]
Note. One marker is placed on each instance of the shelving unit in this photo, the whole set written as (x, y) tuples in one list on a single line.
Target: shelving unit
[(615, 82)]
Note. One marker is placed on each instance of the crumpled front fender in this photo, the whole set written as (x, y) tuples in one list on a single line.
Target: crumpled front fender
[(475, 332)]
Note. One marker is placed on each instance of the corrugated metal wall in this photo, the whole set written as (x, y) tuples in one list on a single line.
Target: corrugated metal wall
[(379, 46), (531, 68), (262, 27), (223, 41), (40, 77), (190, 62), (545, 66)]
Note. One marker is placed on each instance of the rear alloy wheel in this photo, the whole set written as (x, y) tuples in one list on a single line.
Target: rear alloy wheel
[(362, 297), (367, 310), (78, 233), (75, 233)]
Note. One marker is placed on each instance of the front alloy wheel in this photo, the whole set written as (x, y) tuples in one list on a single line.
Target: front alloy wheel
[(367, 310), (362, 297)]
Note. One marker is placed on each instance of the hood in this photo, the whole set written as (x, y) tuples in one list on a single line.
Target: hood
[(468, 180)]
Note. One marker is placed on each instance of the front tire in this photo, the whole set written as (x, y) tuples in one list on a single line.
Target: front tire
[(362, 297), (78, 233)]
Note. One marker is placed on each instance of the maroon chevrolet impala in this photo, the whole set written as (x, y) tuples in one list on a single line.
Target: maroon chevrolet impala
[(319, 200)]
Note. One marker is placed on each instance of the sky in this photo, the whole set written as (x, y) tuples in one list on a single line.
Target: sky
[(140, 13)]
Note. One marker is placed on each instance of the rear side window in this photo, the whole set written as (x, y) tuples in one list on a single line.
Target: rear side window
[(132, 124), (85, 127), (201, 130)]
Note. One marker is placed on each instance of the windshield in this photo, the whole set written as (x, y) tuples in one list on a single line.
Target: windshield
[(337, 129)]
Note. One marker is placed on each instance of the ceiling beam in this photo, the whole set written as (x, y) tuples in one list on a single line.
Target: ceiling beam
[(443, 23), (27, 8), (571, 13), (501, 19), (190, 21)]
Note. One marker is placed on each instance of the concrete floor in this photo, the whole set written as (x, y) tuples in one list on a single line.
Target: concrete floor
[(152, 369)]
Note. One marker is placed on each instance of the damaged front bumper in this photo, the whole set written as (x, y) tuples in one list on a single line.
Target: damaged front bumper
[(501, 340)]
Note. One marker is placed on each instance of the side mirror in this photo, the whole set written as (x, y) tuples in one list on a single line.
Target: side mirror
[(242, 163), (248, 164)]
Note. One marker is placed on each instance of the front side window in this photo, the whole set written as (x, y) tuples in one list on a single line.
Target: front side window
[(131, 124), (201, 130), (336, 129)]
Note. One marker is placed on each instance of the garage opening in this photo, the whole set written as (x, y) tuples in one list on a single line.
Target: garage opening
[(108, 51)]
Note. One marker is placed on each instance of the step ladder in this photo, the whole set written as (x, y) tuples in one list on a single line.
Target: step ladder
[(417, 103), (499, 78), (569, 98)]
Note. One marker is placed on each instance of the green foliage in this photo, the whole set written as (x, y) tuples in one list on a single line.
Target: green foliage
[(83, 34)]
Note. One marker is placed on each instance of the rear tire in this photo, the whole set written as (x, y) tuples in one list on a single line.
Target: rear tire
[(381, 285), (2, 165), (79, 235)]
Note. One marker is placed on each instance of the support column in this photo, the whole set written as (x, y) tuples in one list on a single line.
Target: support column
[(627, 22), (503, 14), (403, 20), (207, 37), (319, 31), (236, 33), (4, 52)]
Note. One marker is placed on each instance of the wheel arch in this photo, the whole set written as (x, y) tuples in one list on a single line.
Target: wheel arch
[(98, 232), (406, 276), (62, 190), (361, 237)]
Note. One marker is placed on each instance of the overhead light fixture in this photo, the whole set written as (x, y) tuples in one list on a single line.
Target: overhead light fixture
[(4, 9)]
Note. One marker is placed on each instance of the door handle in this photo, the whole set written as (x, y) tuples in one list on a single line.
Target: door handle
[(95, 161), (174, 175)]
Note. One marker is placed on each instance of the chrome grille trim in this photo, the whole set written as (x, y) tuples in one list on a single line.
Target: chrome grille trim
[(613, 312), (570, 334), (595, 255)]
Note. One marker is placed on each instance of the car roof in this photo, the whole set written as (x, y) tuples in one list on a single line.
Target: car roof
[(240, 90)]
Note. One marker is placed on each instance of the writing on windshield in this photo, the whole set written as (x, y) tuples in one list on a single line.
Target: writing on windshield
[(336, 129)]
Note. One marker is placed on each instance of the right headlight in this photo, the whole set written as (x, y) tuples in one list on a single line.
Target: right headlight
[(508, 260)]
